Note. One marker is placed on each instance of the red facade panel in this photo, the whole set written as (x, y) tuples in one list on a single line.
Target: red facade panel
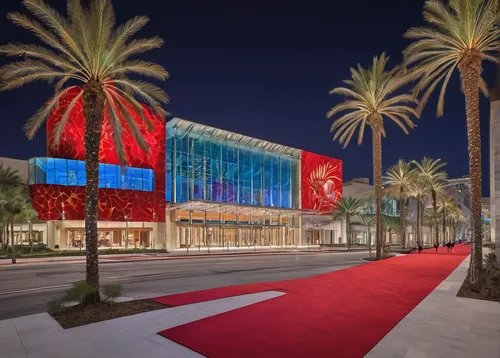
[(58, 202), (321, 181), (114, 204)]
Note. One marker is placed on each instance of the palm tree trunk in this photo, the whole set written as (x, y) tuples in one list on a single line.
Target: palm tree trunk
[(470, 74), (348, 231), (444, 226), (377, 181), (418, 225), (93, 109), (402, 220), (434, 208), (368, 236), (7, 236), (13, 243)]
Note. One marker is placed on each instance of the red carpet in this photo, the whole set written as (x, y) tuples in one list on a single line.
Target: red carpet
[(339, 314)]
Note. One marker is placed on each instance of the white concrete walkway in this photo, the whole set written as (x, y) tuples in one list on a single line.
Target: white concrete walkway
[(446, 326), (40, 336)]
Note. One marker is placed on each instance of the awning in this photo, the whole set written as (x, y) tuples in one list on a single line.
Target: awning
[(227, 208)]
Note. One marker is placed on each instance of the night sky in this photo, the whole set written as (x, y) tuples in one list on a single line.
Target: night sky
[(266, 70)]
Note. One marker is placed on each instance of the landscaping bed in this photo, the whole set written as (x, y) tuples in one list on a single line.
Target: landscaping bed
[(80, 315), (486, 293), (489, 279)]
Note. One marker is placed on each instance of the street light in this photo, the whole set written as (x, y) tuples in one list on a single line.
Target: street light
[(126, 232)]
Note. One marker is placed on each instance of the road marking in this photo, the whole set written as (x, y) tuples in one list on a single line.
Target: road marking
[(13, 292)]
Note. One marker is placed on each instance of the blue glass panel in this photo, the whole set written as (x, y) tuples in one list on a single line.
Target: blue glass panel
[(135, 178), (72, 172), (124, 178), (61, 172), (50, 171), (275, 182), (102, 176), (147, 175), (111, 176), (82, 175)]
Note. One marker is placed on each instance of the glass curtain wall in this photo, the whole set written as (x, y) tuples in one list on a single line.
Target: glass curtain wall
[(72, 173), (206, 168)]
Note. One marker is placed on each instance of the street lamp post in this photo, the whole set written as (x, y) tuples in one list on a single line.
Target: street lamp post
[(126, 232)]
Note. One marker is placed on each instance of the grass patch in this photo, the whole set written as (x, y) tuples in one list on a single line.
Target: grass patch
[(79, 315)]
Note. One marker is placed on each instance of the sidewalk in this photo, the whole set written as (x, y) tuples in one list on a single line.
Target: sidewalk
[(318, 316), (444, 325), (181, 254)]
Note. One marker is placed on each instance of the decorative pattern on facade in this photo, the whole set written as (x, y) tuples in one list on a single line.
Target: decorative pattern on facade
[(321, 180)]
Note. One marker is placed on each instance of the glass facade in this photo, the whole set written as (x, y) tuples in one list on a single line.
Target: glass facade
[(201, 167), (72, 173)]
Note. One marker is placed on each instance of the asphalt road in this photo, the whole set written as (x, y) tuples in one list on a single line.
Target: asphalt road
[(26, 289)]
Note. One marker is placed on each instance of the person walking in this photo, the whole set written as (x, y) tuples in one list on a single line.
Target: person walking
[(436, 246), (419, 248), (452, 246), (448, 246)]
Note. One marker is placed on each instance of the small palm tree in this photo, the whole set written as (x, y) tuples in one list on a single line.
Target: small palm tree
[(86, 48), (12, 199), (460, 35), (371, 99), (28, 214), (446, 207), (430, 171), (346, 208), (399, 178), (9, 179), (368, 221), (420, 191)]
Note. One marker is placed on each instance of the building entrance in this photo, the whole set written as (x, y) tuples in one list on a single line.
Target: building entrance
[(223, 236)]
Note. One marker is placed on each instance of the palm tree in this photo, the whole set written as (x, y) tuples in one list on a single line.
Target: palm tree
[(9, 179), (419, 190), (368, 221), (433, 217), (429, 170), (346, 208), (460, 35), (446, 207), (371, 99), (390, 224), (399, 178), (12, 200), (86, 48), (28, 214)]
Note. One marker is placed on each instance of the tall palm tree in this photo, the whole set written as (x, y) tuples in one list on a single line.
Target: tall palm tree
[(420, 191), (368, 221), (432, 217), (371, 99), (347, 207), (86, 49), (430, 171), (399, 178), (459, 35)]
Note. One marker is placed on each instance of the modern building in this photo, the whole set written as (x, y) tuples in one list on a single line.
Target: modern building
[(198, 186)]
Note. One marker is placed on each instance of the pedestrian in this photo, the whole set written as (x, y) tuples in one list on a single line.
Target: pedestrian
[(419, 248), (448, 246), (452, 246), (436, 246)]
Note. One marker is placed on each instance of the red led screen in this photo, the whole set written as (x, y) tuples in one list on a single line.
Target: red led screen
[(321, 180), (113, 203), (58, 202)]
